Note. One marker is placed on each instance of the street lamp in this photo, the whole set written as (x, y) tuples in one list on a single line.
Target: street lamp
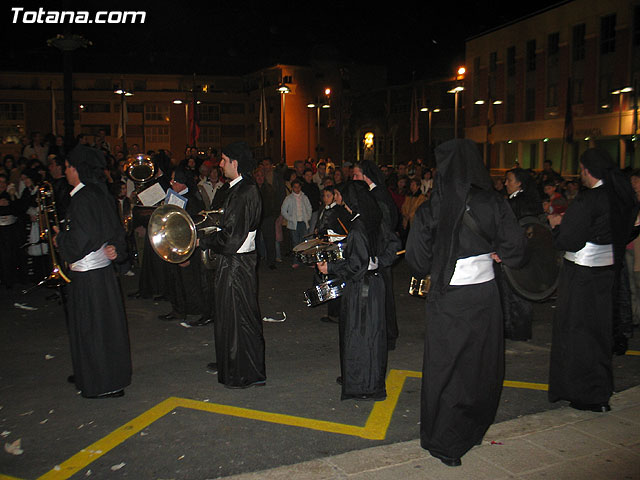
[(123, 114), (319, 104), (283, 89), (455, 90), (429, 111), (619, 92)]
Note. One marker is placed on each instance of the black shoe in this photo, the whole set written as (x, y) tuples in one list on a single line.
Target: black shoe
[(71, 379), (591, 407), (171, 316), (201, 322), (116, 394), (159, 298), (212, 367), (328, 319), (134, 294), (339, 380), (450, 462)]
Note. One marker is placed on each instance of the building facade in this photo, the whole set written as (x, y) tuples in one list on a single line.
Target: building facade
[(554, 83)]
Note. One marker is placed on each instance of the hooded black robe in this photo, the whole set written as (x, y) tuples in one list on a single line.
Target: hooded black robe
[(582, 335), (239, 341), (97, 323), (464, 348)]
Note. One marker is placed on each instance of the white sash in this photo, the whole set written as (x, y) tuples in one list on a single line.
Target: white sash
[(592, 255), (473, 270), (91, 261)]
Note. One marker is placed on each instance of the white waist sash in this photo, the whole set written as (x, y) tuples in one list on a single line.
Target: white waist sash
[(91, 261), (473, 270), (592, 255), (249, 244), (6, 220)]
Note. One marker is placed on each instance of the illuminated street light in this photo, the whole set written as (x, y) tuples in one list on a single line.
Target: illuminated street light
[(283, 89), (619, 92), (429, 111), (320, 104), (123, 114), (456, 90)]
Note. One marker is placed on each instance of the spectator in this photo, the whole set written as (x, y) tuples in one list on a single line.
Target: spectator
[(399, 191), (37, 148), (296, 210), (311, 190)]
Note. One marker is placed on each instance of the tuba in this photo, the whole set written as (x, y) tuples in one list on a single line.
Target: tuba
[(173, 233), (140, 168), (47, 218)]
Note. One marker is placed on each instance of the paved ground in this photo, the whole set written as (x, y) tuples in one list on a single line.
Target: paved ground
[(177, 422)]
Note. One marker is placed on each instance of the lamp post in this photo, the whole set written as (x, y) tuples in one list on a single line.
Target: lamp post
[(455, 90), (621, 146), (429, 112), (283, 89), (123, 114), (320, 104)]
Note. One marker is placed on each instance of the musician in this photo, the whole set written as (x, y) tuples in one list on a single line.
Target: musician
[(362, 332), (331, 221), (593, 232), (525, 201), (238, 326), (463, 365), (92, 238), (186, 292), (374, 178)]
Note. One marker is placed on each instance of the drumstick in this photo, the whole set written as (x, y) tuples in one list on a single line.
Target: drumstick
[(343, 227), (401, 252)]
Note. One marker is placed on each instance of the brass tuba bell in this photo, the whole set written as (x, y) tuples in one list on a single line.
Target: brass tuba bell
[(140, 168)]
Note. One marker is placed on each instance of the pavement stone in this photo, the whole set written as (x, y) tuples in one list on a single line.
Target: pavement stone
[(560, 444)]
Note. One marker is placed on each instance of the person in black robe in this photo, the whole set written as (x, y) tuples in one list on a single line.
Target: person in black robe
[(11, 234), (524, 200), (332, 220), (455, 237), (154, 272), (240, 349), (185, 279), (362, 330), (91, 239), (593, 232), (374, 178)]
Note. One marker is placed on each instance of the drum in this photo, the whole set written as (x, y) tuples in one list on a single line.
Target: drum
[(538, 278), (307, 244), (324, 292), (335, 251), (420, 288)]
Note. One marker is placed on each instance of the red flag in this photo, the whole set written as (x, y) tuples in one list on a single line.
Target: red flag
[(194, 123)]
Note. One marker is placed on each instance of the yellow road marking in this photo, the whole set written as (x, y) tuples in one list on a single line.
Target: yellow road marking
[(633, 352), (375, 427), (7, 477)]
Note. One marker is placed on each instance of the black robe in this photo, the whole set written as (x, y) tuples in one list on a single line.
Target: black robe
[(238, 325), (581, 346), (363, 333), (154, 272), (11, 236), (463, 366), (97, 322), (185, 289), (517, 310)]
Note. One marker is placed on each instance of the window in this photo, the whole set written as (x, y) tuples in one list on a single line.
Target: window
[(94, 129), (10, 112), (234, 131), (232, 108), (96, 107), (156, 112), (608, 34), (493, 62), (156, 134), (578, 42), (553, 43), (577, 86), (209, 134), (209, 112), (511, 108), (511, 61), (11, 122), (531, 55), (530, 105), (636, 26), (552, 95)]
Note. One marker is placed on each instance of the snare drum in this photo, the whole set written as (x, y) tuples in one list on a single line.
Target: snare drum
[(307, 244), (324, 292), (336, 251)]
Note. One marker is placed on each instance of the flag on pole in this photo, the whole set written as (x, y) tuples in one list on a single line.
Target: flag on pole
[(568, 116), (263, 116), (634, 123), (414, 118), (194, 123), (54, 130), (124, 117)]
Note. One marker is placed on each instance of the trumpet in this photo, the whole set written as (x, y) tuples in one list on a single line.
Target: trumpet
[(46, 215)]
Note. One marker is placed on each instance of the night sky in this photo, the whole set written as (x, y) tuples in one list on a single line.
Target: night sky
[(236, 37)]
